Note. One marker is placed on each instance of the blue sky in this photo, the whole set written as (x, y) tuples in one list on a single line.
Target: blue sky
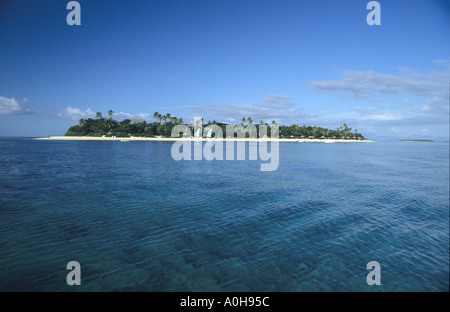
[(303, 62)]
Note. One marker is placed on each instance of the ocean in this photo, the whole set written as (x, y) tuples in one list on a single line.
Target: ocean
[(137, 220)]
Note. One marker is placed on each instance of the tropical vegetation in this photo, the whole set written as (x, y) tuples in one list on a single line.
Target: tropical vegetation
[(163, 125)]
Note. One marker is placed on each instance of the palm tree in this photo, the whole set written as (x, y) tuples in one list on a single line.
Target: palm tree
[(261, 122), (180, 121), (346, 129), (243, 120), (110, 114), (98, 115), (341, 128), (157, 116), (274, 122), (250, 120)]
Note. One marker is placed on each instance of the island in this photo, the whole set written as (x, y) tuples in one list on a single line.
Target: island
[(102, 128)]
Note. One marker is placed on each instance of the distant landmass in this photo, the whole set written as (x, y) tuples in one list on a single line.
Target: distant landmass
[(416, 140)]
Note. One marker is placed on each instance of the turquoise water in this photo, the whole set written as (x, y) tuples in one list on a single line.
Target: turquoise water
[(136, 220)]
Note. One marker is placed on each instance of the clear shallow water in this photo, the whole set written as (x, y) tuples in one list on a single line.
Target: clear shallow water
[(136, 220)]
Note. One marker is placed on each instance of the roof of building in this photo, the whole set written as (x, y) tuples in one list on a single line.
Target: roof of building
[(136, 121)]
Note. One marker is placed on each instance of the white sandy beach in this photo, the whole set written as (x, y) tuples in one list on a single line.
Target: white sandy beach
[(86, 138)]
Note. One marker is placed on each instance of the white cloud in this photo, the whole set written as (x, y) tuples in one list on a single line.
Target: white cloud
[(442, 62), (393, 129), (382, 117), (274, 107), (366, 85), (423, 98), (123, 115), (9, 106), (435, 105), (277, 101), (76, 113), (142, 115), (406, 102)]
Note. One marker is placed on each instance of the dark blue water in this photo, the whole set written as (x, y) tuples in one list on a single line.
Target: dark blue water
[(136, 220)]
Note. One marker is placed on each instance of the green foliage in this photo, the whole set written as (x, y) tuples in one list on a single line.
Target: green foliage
[(151, 129), (341, 132), (164, 124), (75, 131), (121, 135), (109, 127)]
